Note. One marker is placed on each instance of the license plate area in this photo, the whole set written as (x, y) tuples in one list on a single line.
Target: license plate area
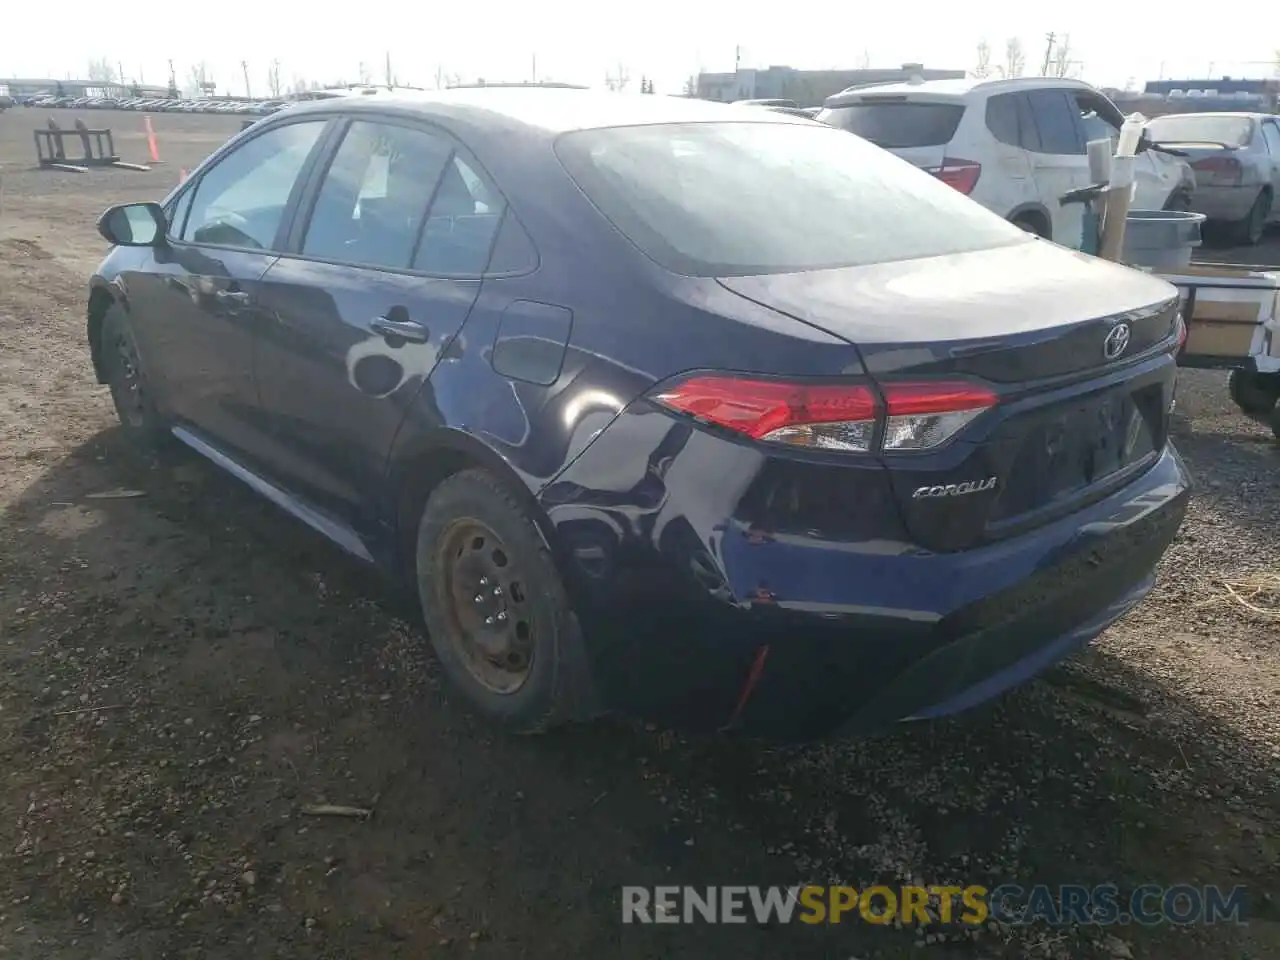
[(1071, 448)]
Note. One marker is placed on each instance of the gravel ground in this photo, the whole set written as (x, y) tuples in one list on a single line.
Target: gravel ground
[(183, 670)]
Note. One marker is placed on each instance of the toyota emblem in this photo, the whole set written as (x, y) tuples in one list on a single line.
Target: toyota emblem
[(1117, 341)]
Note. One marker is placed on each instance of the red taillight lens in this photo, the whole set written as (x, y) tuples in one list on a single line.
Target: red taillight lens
[(838, 417), (1182, 332), (1219, 168), (961, 174), (924, 415), (819, 416)]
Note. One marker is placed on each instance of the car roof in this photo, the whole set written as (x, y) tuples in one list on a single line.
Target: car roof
[(550, 109), (957, 88)]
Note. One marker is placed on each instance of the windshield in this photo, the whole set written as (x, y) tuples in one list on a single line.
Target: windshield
[(1232, 131), (735, 199), (899, 124)]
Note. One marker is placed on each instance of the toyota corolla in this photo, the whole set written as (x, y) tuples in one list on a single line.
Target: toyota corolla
[(719, 416)]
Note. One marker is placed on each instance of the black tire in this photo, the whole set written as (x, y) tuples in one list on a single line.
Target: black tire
[(1031, 225), (1249, 231), (130, 390), (473, 526), (1256, 395), (1179, 201)]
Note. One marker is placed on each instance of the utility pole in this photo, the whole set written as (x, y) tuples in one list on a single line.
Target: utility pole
[(533, 71), (1048, 53), (439, 76), (120, 71), (389, 84), (173, 80), (737, 58), (244, 66)]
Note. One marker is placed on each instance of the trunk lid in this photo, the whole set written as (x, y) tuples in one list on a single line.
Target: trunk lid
[(1032, 321)]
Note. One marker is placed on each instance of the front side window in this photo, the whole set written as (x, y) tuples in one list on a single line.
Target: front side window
[(240, 201), (1056, 119), (741, 198), (375, 194)]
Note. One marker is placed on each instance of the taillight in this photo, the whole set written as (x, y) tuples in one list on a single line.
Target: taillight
[(818, 416), (840, 417), (1219, 167), (927, 414), (1182, 332), (961, 174)]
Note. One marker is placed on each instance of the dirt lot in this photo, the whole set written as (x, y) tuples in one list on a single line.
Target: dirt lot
[(183, 670)]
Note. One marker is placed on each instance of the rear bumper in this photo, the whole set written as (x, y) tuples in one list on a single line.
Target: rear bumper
[(1224, 203), (698, 617)]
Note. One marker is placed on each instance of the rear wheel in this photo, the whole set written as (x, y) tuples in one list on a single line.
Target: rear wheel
[(1031, 225), (1180, 202), (1250, 229), (496, 609), (131, 391)]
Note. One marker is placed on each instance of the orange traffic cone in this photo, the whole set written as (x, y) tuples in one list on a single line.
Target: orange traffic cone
[(151, 140)]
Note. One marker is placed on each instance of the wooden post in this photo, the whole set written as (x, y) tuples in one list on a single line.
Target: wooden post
[(1113, 220)]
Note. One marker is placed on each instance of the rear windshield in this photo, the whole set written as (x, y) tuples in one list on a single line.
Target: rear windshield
[(898, 124), (1231, 131), (735, 199)]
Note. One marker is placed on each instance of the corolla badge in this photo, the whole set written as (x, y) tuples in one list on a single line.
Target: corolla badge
[(954, 489), (1116, 342)]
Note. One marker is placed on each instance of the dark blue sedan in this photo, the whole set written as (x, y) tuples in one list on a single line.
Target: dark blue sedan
[(719, 416)]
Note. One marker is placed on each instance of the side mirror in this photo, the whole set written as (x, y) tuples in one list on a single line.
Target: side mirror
[(134, 225)]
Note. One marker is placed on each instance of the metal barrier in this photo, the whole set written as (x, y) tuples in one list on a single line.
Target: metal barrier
[(97, 148)]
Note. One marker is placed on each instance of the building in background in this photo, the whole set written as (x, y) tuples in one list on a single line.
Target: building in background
[(1201, 96), (808, 88), (34, 87)]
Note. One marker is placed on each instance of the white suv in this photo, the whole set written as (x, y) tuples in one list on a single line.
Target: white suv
[(1015, 146)]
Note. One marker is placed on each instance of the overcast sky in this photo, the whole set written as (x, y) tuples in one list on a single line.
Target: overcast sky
[(666, 40)]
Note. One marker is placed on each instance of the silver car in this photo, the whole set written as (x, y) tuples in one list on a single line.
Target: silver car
[(1236, 158)]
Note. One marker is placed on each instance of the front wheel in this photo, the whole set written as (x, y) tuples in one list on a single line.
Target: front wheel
[(496, 609), (131, 391)]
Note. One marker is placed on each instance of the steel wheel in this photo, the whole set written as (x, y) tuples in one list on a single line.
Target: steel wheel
[(489, 621), (128, 389)]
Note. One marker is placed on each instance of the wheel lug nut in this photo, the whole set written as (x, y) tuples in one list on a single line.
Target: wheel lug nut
[(479, 598), (502, 616), (497, 591), (488, 621), (484, 581)]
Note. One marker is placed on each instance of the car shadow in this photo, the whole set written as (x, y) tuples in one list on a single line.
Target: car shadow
[(256, 668)]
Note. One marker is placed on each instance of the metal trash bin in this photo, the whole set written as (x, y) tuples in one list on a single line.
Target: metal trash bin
[(1160, 239)]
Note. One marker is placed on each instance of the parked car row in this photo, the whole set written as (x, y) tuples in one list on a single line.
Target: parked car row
[(159, 104)]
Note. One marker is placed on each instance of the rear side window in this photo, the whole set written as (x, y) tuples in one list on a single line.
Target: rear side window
[(1271, 136), (375, 194), (1002, 119), (462, 223), (741, 198), (1056, 117), (897, 124)]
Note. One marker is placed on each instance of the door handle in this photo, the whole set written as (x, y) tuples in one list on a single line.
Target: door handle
[(233, 297), (410, 330)]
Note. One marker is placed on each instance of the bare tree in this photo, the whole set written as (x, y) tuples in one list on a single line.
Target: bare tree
[(1062, 63), (102, 70), (864, 61), (365, 76), (982, 67), (273, 78), (198, 78), (1015, 60)]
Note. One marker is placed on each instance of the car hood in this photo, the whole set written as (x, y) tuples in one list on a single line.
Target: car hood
[(1017, 289)]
